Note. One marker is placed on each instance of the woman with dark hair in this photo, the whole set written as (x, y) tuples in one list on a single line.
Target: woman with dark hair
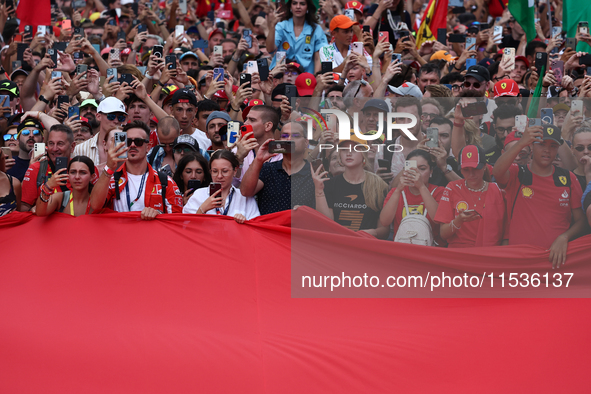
[(297, 34), (414, 196), (191, 167), (75, 202), (387, 16), (10, 189), (227, 200)]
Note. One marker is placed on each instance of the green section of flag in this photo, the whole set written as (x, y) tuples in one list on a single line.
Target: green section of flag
[(573, 12), (524, 14), (534, 103)]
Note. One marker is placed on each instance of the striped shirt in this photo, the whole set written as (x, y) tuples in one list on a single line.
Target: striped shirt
[(88, 148)]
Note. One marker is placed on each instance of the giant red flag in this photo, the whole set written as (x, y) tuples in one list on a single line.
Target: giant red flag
[(34, 13)]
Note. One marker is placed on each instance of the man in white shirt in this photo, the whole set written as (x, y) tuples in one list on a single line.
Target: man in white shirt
[(184, 110)]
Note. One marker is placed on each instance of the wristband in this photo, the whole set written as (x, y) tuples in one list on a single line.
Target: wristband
[(109, 171), (149, 76), (42, 98), (458, 124)]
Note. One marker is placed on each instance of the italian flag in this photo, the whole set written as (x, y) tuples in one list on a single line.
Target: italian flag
[(574, 11), (524, 13)]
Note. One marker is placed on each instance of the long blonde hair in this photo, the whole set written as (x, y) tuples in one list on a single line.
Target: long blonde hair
[(374, 187), (472, 132)]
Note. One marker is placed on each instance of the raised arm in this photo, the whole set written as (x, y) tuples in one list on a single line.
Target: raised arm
[(501, 168)]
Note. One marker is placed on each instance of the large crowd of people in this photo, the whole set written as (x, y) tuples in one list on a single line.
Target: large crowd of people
[(202, 107)]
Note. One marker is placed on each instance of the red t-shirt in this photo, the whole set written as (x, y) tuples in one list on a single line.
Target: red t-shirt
[(543, 210), (455, 197), (416, 205)]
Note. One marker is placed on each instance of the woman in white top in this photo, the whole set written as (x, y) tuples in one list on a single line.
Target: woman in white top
[(228, 200)]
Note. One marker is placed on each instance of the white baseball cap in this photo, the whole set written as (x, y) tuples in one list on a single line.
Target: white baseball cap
[(407, 89), (110, 105)]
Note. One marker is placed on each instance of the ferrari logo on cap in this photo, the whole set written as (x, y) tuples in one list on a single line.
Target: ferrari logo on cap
[(469, 155), (503, 85), (354, 4), (562, 179), (308, 81), (550, 130)]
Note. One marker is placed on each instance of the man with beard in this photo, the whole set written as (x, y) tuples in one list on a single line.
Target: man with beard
[(335, 95), (503, 123), (88, 110), (215, 121), (29, 132)]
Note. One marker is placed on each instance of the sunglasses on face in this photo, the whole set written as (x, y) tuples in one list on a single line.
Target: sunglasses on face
[(476, 85), (8, 137), (120, 118), (427, 115), (168, 145), (139, 142), (27, 132), (183, 150), (579, 148)]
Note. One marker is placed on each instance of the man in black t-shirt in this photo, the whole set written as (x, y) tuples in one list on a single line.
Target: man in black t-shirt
[(30, 132)]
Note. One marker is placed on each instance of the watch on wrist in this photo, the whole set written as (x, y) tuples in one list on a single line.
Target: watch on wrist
[(42, 98)]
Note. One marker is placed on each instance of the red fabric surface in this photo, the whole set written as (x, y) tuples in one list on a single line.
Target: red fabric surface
[(108, 303), (34, 13)]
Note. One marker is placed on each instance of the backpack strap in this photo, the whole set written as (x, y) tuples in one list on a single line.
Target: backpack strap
[(42, 174), (406, 203), (164, 183), (65, 200), (153, 154), (521, 176)]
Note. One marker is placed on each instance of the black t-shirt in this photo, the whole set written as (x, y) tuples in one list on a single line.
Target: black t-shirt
[(348, 204), (19, 169), (438, 177), (385, 24), (582, 180)]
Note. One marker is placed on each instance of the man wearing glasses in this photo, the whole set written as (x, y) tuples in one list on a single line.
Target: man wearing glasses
[(456, 82), (110, 114), (502, 124), (134, 186), (477, 80), (26, 134)]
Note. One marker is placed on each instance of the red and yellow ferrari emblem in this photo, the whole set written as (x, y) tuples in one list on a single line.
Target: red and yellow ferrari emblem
[(562, 179), (469, 155), (354, 4), (308, 81), (503, 85)]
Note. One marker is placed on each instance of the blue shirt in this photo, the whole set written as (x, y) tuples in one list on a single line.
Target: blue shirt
[(302, 48)]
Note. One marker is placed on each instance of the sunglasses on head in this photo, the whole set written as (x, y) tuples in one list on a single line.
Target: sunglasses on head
[(476, 85), (139, 142), (171, 145), (577, 148), (120, 118), (8, 137), (27, 132)]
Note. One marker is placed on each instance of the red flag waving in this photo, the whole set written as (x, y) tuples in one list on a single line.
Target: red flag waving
[(34, 13), (435, 17)]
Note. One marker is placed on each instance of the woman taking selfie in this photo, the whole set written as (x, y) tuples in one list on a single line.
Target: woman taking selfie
[(75, 202), (10, 189), (192, 167), (414, 196), (471, 210), (354, 198), (227, 200)]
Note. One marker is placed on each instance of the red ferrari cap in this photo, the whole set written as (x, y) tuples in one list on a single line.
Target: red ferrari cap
[(472, 156), (305, 83), (506, 87), (354, 5), (510, 138)]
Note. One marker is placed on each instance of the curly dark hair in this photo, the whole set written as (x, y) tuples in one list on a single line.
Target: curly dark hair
[(311, 16)]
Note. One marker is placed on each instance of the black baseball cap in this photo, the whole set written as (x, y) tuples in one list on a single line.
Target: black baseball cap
[(10, 87), (183, 96), (378, 104), (479, 72), (552, 132)]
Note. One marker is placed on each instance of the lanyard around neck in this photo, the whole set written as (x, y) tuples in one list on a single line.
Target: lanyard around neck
[(217, 210), (139, 192)]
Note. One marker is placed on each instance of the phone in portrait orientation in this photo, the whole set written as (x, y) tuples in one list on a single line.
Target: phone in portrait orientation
[(112, 22), (547, 115), (471, 44), (78, 31), (247, 35), (115, 54), (41, 30), (498, 34), (470, 62), (583, 27), (457, 38), (112, 72), (558, 70), (576, 106), (246, 78), (316, 164), (142, 28), (383, 36), (20, 50), (541, 61), (218, 74), (18, 38), (263, 67), (474, 109), (16, 65), (252, 67), (280, 147), (126, 78), (61, 162), (62, 99), (350, 13), (291, 91), (5, 102), (158, 51), (571, 43), (326, 67), (218, 50), (357, 47), (74, 110), (7, 152), (179, 30), (280, 57), (585, 59), (233, 133), (509, 53), (433, 135), (82, 69), (38, 149), (53, 54), (193, 185), (245, 129), (556, 31), (183, 6), (442, 36), (520, 124), (29, 29), (214, 187), (121, 136), (170, 61), (167, 170), (121, 35), (66, 24), (366, 29), (384, 164), (408, 164), (56, 74)]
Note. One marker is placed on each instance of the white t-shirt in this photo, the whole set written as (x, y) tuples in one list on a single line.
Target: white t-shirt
[(202, 139), (133, 185), (331, 53), (246, 206)]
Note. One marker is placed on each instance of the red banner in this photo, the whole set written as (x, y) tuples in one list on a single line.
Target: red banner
[(108, 303)]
